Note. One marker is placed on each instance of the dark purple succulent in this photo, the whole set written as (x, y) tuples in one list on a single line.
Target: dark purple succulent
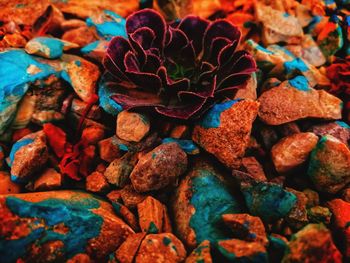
[(180, 69)]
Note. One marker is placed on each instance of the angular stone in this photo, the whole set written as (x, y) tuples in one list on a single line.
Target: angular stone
[(277, 26), (267, 200), (50, 179), (201, 198), (200, 254), (297, 216), (96, 183), (152, 215), (128, 250), (6, 185), (132, 126), (130, 197), (109, 149), (246, 227), (329, 167), (27, 156), (163, 247), (319, 214), (312, 244), (292, 151), (118, 171), (129, 218), (81, 36), (295, 100), (235, 250), (159, 168), (337, 129), (248, 90), (253, 167), (341, 222), (224, 131), (74, 220)]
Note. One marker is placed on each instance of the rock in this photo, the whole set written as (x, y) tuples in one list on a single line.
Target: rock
[(297, 217), (27, 156), (337, 129), (52, 220), (50, 179), (253, 167), (118, 171), (330, 39), (319, 214), (96, 183), (292, 151), (288, 129), (153, 216), (246, 227), (312, 244), (132, 126), (81, 36), (277, 26), (179, 131), (109, 150), (128, 250), (235, 250), (159, 168), (278, 246), (48, 47), (295, 100), (130, 197), (6, 185), (200, 254), (163, 247), (248, 91), (129, 218), (329, 167), (341, 221), (187, 145), (311, 52), (200, 200), (224, 131), (313, 198), (346, 194), (267, 200)]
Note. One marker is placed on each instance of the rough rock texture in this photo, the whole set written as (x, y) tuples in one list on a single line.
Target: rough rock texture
[(225, 130), (159, 168), (295, 100), (200, 254), (164, 247), (312, 244), (337, 129), (76, 220), (27, 156), (132, 126), (292, 151), (329, 167)]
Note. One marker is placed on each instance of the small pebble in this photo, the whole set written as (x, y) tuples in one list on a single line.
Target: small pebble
[(119, 170), (50, 179), (159, 168), (131, 126), (109, 149), (96, 183)]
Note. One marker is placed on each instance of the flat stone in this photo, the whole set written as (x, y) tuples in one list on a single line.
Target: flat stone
[(132, 126), (243, 251), (295, 100), (50, 179), (164, 247), (225, 129), (292, 151), (77, 221), (159, 168), (312, 244), (329, 167), (27, 156)]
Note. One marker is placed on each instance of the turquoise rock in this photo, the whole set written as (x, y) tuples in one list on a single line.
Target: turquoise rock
[(107, 24), (268, 201)]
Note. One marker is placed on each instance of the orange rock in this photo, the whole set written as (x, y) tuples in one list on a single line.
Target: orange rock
[(128, 250), (50, 179), (7, 186)]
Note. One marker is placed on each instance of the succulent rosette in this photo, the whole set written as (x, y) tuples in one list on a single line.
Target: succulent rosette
[(178, 70)]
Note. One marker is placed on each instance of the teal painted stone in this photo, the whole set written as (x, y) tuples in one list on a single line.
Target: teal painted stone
[(200, 200), (107, 24), (268, 201), (63, 222)]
